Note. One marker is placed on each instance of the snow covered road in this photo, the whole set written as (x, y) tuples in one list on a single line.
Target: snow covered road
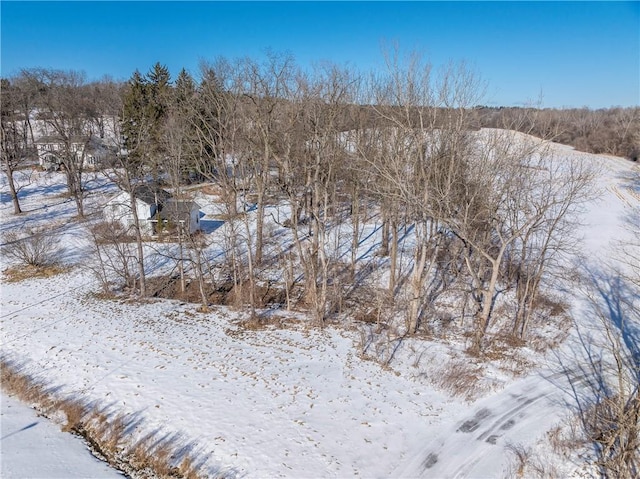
[(32, 447)]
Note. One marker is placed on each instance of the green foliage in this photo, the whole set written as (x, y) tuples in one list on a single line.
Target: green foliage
[(146, 103), (185, 89), (158, 95), (134, 116)]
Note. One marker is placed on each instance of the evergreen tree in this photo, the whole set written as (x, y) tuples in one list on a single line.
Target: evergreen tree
[(135, 119), (159, 91), (211, 109), (185, 89), (159, 101), (183, 117)]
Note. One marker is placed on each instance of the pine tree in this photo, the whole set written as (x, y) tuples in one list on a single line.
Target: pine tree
[(185, 89), (159, 101), (211, 108), (159, 91), (135, 119)]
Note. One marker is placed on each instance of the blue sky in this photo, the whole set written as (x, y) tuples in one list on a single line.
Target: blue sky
[(570, 54)]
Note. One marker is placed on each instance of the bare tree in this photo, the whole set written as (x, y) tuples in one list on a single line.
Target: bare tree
[(421, 167), (316, 166), (66, 112), (267, 85), (104, 109), (492, 214), (13, 139), (609, 409), (113, 256), (176, 140), (129, 165), (178, 136), (557, 189)]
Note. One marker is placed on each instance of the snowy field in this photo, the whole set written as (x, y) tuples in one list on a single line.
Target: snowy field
[(292, 400)]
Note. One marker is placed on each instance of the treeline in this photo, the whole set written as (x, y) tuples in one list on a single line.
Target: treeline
[(40, 102), (326, 154), (613, 131)]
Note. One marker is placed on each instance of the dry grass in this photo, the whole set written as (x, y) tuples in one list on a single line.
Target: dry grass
[(506, 352), (160, 458), (522, 457), (15, 274), (460, 377), (106, 433), (263, 320), (103, 295), (188, 469), (139, 452), (550, 324), (27, 389), (527, 465), (75, 412), (565, 439)]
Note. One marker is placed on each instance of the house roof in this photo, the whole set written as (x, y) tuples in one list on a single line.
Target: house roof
[(145, 193), (91, 143), (178, 210), (57, 139), (151, 195)]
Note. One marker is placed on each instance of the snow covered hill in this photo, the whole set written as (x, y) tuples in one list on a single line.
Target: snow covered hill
[(290, 400)]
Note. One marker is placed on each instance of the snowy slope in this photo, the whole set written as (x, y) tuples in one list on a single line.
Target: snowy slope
[(291, 402), (287, 401), (474, 444)]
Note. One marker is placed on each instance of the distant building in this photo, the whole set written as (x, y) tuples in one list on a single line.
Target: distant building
[(177, 213), (158, 212), (52, 150)]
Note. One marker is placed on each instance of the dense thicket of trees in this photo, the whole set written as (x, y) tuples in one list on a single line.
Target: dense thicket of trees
[(613, 131), (483, 215)]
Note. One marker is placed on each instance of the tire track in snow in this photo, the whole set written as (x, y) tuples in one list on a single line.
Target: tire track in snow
[(457, 454)]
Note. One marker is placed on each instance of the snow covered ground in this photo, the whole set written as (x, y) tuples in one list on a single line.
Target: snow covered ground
[(291, 400), (35, 448)]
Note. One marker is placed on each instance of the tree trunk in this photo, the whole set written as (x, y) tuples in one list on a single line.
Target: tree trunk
[(417, 280), (183, 285), (75, 190), (200, 274), (393, 259), (355, 238), (259, 227), (139, 244), (488, 295), (14, 193), (384, 241)]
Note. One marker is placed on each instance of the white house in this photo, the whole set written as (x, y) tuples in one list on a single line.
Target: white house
[(157, 211), (52, 149)]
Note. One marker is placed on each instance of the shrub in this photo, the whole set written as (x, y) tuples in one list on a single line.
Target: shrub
[(34, 248)]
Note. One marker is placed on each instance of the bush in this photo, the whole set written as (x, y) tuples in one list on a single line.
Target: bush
[(34, 248)]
